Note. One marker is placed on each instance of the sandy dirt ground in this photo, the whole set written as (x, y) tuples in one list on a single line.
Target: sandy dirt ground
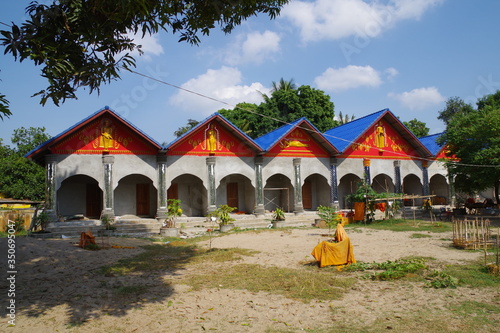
[(59, 287)]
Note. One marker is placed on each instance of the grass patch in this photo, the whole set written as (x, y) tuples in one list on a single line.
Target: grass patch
[(175, 254), (421, 236), (292, 283), (4, 234), (222, 255), (478, 314), (474, 274), (404, 225), (154, 258)]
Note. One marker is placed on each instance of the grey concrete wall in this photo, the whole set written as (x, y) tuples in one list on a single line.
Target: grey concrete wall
[(71, 165)]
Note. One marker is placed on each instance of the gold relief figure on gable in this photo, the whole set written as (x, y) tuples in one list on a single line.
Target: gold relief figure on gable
[(194, 142), (211, 142), (365, 145), (228, 144), (285, 143), (380, 136), (106, 136)]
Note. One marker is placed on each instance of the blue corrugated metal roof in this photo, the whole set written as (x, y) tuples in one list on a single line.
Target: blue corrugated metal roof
[(344, 135), (267, 141), (430, 142), (106, 108)]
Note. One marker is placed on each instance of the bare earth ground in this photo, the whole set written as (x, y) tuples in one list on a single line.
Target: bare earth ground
[(59, 288)]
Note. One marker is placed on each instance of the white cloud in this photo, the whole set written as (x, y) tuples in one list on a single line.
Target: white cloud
[(349, 77), (335, 19), (223, 85), (420, 98), (391, 73), (254, 48), (150, 46)]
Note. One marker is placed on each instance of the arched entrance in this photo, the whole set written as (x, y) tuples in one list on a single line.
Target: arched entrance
[(315, 192), (382, 183), (439, 187), (80, 195), (135, 195), (190, 191), (412, 186), (348, 184), (236, 191), (278, 193)]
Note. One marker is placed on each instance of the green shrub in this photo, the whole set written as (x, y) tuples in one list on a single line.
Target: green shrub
[(439, 280)]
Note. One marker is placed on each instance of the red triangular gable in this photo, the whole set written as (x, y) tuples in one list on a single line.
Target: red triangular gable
[(106, 134), (444, 154), (298, 143), (211, 139), (381, 140)]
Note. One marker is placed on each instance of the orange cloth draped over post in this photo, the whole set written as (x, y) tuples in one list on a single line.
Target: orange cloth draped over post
[(341, 253), (340, 233), (359, 211)]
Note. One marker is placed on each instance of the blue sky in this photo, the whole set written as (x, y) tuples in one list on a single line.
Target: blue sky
[(406, 55)]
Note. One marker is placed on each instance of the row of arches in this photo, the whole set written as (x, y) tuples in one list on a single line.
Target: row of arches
[(136, 194)]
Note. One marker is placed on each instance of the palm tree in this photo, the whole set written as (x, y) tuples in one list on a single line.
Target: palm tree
[(281, 85), (344, 119), (284, 85)]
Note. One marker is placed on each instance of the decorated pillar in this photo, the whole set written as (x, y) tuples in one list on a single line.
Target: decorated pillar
[(425, 177), (107, 162), (451, 181), (161, 161), (334, 188), (212, 196), (298, 208), (50, 187), (366, 166), (259, 187), (397, 177)]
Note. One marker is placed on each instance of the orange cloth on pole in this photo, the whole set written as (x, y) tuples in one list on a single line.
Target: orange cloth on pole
[(341, 253), (359, 211)]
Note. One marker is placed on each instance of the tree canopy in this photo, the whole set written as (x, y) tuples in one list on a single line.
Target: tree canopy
[(472, 138), (85, 43), (454, 106), (286, 104), (181, 130), (19, 177), (417, 127)]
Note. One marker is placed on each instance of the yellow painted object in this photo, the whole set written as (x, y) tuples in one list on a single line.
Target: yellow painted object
[(15, 206), (341, 253)]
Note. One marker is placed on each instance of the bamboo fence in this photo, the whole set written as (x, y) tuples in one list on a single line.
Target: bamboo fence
[(472, 234)]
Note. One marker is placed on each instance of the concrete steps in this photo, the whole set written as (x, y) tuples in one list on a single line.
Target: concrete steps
[(147, 227)]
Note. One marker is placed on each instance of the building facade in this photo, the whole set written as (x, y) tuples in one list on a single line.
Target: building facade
[(105, 165)]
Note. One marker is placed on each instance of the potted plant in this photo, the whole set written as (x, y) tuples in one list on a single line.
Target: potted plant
[(174, 210), (223, 218), (278, 218), (109, 228)]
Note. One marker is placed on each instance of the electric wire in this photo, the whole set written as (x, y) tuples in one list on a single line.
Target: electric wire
[(306, 129)]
